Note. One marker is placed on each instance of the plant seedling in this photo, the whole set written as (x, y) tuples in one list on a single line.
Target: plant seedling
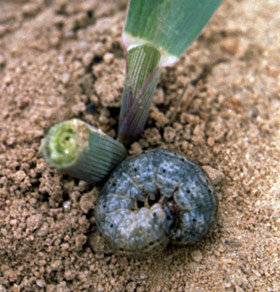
[(155, 35)]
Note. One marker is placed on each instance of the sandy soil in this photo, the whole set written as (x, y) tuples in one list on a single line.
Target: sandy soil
[(64, 59)]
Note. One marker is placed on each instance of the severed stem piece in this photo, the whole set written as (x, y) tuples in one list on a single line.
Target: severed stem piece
[(82, 151)]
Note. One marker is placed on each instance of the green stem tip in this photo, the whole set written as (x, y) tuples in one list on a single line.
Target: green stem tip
[(82, 151)]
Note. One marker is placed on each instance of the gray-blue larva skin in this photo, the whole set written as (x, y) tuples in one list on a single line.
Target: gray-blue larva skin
[(155, 198)]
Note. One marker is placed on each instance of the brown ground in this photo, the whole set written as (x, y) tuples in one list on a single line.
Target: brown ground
[(64, 59)]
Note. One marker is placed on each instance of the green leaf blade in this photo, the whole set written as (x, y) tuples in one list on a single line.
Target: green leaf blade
[(169, 25)]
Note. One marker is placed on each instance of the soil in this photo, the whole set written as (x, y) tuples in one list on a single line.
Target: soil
[(64, 59)]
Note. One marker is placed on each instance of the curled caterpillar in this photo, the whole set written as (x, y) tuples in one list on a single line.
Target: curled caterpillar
[(155, 198)]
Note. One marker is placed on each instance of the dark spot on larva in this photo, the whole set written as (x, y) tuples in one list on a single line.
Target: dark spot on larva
[(113, 184), (135, 169), (164, 171), (188, 191), (194, 220), (112, 225), (140, 204), (104, 206), (182, 159)]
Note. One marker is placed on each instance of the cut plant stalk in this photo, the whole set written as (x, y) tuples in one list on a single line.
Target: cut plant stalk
[(156, 33), (82, 151)]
